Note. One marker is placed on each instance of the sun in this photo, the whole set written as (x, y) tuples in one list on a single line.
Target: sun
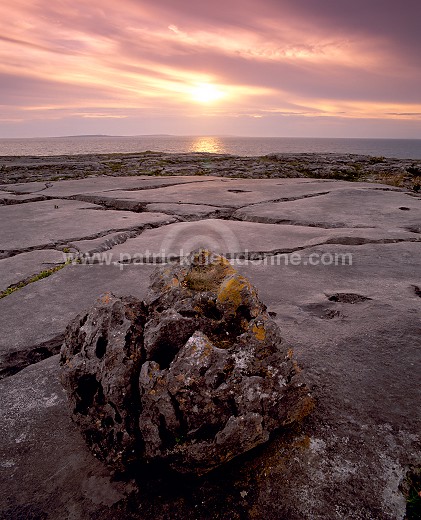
[(206, 93)]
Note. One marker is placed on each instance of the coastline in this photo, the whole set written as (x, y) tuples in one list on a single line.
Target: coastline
[(351, 167)]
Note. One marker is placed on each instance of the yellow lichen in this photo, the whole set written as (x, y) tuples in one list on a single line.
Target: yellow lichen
[(259, 331), (207, 271), (105, 298), (230, 292)]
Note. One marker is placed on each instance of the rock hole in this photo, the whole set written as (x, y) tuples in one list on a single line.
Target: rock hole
[(233, 405), (128, 338), (107, 422), (212, 312), (348, 298), (166, 437), (87, 387), (188, 313), (404, 208), (330, 314), (101, 347), (164, 354), (100, 399), (413, 229), (272, 314), (206, 432), (243, 311), (417, 290), (239, 191), (219, 379)]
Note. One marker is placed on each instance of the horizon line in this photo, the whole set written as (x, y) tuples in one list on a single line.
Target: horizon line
[(211, 135)]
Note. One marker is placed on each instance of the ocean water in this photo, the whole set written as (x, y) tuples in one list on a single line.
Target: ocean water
[(399, 148)]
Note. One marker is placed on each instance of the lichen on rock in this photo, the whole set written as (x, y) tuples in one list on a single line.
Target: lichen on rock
[(192, 377)]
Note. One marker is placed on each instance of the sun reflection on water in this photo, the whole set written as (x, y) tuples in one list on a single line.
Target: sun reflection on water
[(207, 144)]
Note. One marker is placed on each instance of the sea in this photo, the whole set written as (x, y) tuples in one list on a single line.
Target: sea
[(248, 146)]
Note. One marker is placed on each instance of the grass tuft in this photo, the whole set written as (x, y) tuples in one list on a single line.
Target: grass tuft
[(43, 274)]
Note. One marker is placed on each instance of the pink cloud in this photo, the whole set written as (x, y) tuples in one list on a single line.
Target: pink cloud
[(290, 58)]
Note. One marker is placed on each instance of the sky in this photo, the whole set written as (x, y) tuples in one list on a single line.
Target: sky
[(295, 68)]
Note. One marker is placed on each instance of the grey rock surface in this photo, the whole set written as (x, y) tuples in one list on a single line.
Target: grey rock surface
[(11, 198), (391, 210), (22, 267), (43, 224), (236, 238), (69, 188), (233, 193), (46, 471), (355, 330), (35, 317), (194, 378), (101, 244)]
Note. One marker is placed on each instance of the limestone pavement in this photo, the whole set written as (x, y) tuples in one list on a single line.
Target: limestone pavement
[(337, 264)]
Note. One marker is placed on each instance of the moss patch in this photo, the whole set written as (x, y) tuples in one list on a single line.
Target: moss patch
[(207, 273)]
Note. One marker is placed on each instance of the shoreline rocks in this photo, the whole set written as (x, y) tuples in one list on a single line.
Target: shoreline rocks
[(398, 172)]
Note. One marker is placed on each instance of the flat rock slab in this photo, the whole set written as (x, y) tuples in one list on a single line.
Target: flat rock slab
[(11, 198), (306, 297), (42, 224), (385, 278), (352, 207), (220, 192), (34, 318), (40, 444), (68, 188), (231, 237), (22, 267)]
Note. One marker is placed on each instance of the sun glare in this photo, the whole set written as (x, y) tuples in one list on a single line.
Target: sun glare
[(206, 93), (207, 144)]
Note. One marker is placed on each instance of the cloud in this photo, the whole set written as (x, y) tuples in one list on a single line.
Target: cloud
[(291, 58)]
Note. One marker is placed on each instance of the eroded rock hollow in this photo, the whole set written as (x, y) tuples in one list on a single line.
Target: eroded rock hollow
[(194, 376)]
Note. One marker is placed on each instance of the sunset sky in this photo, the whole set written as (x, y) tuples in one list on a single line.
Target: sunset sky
[(323, 68)]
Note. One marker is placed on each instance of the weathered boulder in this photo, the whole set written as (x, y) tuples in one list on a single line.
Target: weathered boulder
[(193, 377), (100, 364)]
